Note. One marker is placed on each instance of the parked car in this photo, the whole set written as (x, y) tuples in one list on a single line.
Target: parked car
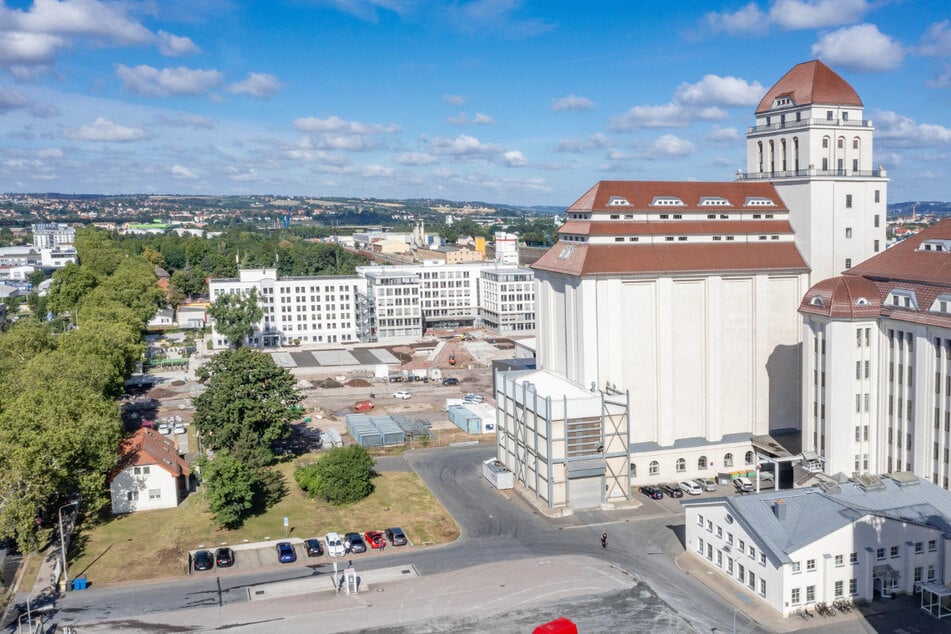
[(363, 406), (202, 560), (373, 538), (285, 553), (314, 549), (403, 394), (473, 398), (450, 381), (179, 428), (743, 485), (354, 543), (672, 489), (224, 557), (689, 486), (163, 428), (652, 492), (334, 544), (707, 484), (396, 536)]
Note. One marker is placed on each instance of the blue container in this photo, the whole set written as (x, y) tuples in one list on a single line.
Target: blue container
[(79, 583)]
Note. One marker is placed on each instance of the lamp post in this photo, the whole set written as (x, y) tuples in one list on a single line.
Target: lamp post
[(62, 544)]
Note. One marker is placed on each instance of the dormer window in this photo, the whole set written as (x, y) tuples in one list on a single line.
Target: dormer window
[(666, 201), (714, 201), (816, 301), (903, 299), (861, 301), (942, 304), (942, 246), (618, 201), (758, 201)]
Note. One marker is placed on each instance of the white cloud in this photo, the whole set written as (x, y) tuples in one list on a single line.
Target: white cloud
[(87, 18), (460, 147), (172, 45), (376, 171), (670, 146), (246, 176), (901, 131), (514, 158), (185, 120), (103, 129), (342, 126), (25, 54), (745, 20), (670, 115), (454, 100), (415, 158), (859, 48), (478, 119), (183, 173), (152, 82), (256, 85), (12, 100), (714, 90), (586, 144), (816, 14), (937, 42), (723, 135), (571, 103)]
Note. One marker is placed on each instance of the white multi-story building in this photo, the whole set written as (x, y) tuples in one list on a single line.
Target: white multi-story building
[(812, 142), (794, 549), (52, 235), (389, 304), (668, 310), (507, 299), (877, 362), (307, 310)]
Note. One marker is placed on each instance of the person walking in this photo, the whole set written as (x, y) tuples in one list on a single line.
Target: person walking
[(382, 545), (604, 540)]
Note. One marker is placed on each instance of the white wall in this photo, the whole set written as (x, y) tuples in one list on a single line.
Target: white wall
[(128, 480)]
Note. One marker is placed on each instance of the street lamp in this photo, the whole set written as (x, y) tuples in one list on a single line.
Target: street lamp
[(62, 543)]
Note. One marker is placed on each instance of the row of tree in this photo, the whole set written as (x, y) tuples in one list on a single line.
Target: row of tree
[(59, 421)]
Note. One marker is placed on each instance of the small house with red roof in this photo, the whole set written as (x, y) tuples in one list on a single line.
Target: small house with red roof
[(150, 475)]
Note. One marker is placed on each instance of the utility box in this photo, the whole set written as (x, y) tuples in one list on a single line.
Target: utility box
[(496, 473)]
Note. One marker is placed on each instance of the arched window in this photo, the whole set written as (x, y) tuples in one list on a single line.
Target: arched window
[(772, 157), (749, 457), (654, 467), (681, 465), (728, 460), (759, 152), (782, 151), (702, 462), (795, 149), (633, 470)]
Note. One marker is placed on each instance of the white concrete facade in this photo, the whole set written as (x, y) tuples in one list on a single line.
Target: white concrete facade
[(144, 488), (507, 299)]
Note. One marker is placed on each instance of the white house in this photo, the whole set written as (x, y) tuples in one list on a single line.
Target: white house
[(796, 548), (151, 474)]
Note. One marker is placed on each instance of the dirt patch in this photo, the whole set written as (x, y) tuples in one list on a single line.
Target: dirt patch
[(358, 383)]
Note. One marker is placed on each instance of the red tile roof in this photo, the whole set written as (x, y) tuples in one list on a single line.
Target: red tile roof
[(641, 193), (902, 267), (658, 259), (675, 227), (808, 83), (148, 447)]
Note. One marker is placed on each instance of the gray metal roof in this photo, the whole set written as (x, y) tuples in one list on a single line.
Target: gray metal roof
[(813, 513)]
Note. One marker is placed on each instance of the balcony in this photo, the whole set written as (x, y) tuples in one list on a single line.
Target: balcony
[(789, 125), (808, 173)]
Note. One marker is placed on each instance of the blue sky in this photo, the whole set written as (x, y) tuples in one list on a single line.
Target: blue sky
[(504, 101)]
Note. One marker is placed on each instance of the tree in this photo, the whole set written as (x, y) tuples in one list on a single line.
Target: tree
[(341, 476), (229, 485), (236, 316), (70, 285), (249, 401)]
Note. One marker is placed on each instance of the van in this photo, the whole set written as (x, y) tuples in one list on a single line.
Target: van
[(743, 485)]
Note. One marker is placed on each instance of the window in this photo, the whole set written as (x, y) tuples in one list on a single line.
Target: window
[(752, 580), (702, 462), (839, 561), (155, 494), (700, 520), (720, 532), (794, 597), (700, 546), (919, 547), (810, 565), (654, 468), (742, 546), (880, 554), (729, 538), (728, 460), (848, 202), (894, 552), (810, 594), (848, 232), (762, 587), (931, 572), (719, 559), (839, 589), (752, 552), (848, 263), (749, 457), (854, 559), (918, 571), (132, 495), (828, 115), (932, 545), (853, 586), (796, 568), (762, 559), (681, 465)]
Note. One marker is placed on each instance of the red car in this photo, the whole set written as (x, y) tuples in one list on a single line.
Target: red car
[(374, 538), (363, 406)]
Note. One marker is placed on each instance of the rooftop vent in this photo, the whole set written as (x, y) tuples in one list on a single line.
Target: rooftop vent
[(903, 478), (869, 482), (779, 509)]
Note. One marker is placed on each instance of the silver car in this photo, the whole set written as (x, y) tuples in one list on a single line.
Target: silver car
[(707, 484)]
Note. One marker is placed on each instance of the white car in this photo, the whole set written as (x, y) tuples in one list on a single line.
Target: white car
[(334, 545), (179, 428), (691, 487), (164, 429), (403, 394), (473, 398)]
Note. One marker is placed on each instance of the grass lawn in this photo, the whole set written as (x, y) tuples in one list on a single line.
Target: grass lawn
[(154, 544)]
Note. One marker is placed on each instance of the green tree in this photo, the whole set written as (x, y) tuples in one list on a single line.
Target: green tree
[(236, 316), (249, 402), (230, 486), (97, 251), (189, 281), (70, 285), (341, 476), (133, 284)]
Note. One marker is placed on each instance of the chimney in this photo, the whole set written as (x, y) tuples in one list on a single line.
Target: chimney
[(779, 509)]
